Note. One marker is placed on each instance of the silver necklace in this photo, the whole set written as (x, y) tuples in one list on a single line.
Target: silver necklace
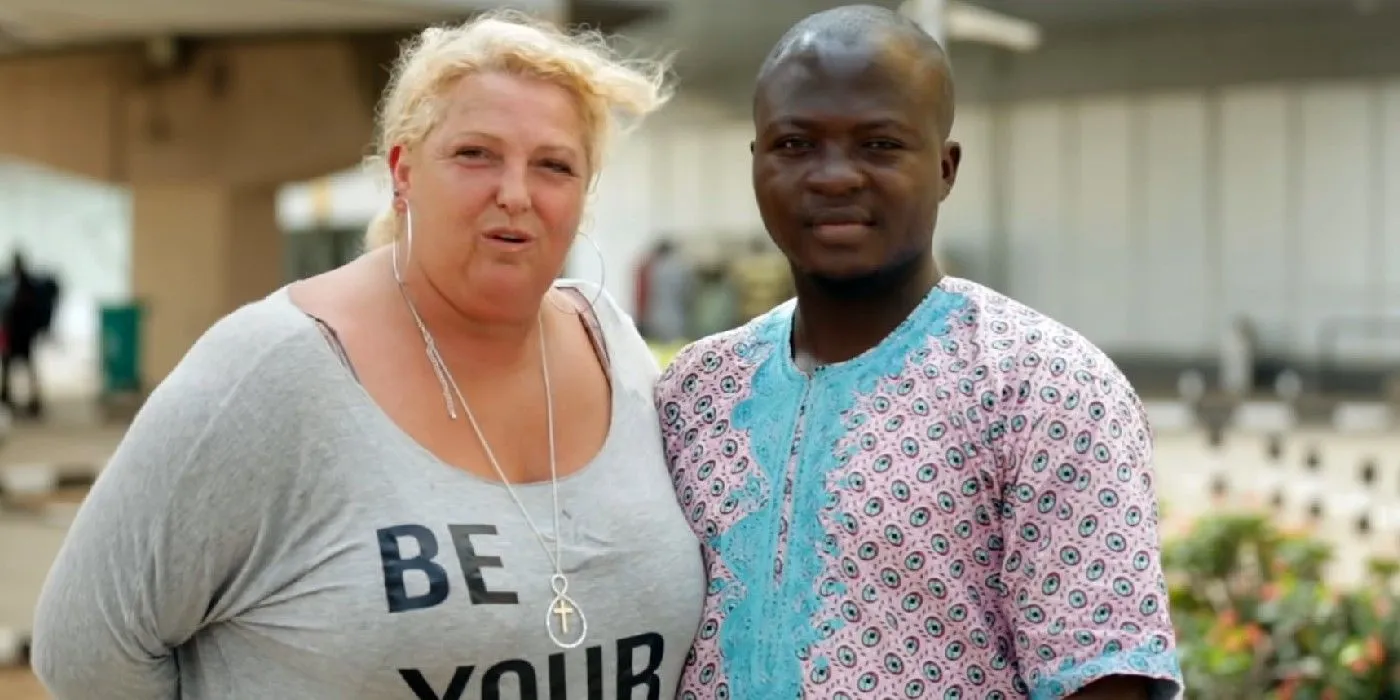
[(561, 607)]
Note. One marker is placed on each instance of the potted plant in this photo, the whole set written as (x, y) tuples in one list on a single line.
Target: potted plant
[(1256, 619)]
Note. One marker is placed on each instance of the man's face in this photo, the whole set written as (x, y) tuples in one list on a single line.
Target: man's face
[(849, 161)]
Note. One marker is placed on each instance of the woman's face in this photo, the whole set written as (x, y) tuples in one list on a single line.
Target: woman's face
[(496, 193)]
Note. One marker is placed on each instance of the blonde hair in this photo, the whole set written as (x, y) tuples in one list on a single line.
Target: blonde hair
[(613, 93)]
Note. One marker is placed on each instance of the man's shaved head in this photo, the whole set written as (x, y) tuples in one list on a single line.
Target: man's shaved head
[(851, 154), (899, 42)]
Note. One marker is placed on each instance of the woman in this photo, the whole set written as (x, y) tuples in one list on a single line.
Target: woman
[(432, 473)]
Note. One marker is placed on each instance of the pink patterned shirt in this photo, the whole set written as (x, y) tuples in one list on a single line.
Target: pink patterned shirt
[(965, 511)]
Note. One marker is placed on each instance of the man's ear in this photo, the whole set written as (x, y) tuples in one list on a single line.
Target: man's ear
[(951, 160)]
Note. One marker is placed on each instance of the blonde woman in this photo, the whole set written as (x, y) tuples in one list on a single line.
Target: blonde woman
[(432, 473)]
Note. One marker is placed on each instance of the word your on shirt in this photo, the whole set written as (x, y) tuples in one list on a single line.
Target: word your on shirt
[(512, 678)]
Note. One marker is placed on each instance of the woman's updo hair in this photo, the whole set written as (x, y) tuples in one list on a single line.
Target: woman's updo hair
[(613, 93)]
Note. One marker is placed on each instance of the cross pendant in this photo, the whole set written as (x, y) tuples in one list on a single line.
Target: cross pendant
[(563, 610)]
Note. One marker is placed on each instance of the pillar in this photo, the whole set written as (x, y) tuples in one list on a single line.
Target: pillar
[(204, 149), (202, 141), (199, 251)]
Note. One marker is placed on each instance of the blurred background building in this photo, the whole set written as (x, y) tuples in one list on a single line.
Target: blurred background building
[(1208, 189)]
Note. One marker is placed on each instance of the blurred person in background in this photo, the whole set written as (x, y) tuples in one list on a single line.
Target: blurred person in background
[(434, 472), (714, 306), (908, 485), (641, 287), (761, 278), (28, 314), (668, 287), (1238, 365)]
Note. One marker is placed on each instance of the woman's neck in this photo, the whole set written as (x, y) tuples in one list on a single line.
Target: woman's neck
[(462, 335)]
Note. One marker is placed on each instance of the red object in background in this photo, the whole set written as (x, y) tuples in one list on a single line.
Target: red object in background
[(643, 284)]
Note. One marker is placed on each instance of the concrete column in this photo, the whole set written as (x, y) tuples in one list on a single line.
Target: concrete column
[(199, 251), (201, 143)]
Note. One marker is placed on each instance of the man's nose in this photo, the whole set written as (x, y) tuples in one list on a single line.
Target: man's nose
[(836, 174)]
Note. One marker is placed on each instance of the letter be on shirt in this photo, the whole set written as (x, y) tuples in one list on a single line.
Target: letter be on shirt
[(396, 565), (517, 672)]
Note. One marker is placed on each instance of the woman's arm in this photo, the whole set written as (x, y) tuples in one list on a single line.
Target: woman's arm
[(166, 530)]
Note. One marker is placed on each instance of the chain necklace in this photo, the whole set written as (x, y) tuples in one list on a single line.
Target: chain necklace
[(561, 608)]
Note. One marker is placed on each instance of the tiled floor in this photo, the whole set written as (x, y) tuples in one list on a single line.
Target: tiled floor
[(18, 684), (28, 543), (28, 549)]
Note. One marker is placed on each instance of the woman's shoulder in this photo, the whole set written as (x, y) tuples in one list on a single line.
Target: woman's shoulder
[(262, 344), (610, 314), (623, 341), (248, 337), (234, 399)]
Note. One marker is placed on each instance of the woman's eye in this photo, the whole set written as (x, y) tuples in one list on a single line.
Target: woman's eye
[(559, 167)]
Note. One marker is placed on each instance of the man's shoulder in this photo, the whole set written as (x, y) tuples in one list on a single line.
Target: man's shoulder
[(694, 357), (1028, 342), (734, 350)]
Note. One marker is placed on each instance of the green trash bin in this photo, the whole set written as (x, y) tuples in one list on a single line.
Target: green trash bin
[(121, 348)]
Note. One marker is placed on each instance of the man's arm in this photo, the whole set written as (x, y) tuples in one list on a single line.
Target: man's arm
[(1116, 688), (1084, 586)]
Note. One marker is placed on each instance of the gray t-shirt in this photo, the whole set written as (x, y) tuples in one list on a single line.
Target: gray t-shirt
[(265, 531)]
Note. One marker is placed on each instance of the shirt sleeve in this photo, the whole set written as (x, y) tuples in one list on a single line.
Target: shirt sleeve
[(1083, 561), (669, 389), (159, 541)]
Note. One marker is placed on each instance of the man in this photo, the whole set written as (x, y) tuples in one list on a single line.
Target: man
[(906, 484)]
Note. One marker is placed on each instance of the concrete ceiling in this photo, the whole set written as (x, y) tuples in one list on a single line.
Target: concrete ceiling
[(716, 41), (50, 24), (1073, 15), (711, 31), (708, 28), (721, 40)]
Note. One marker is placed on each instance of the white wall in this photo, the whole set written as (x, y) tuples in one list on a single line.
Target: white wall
[(1146, 220), (1149, 220)]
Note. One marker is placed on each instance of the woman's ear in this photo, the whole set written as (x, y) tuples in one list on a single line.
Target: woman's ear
[(399, 172)]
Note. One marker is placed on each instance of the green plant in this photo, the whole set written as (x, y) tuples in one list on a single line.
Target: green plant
[(1256, 619)]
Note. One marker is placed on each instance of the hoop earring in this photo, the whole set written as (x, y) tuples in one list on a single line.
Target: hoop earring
[(408, 240), (602, 266)]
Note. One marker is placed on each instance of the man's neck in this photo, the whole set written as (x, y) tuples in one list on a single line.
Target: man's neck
[(835, 322)]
